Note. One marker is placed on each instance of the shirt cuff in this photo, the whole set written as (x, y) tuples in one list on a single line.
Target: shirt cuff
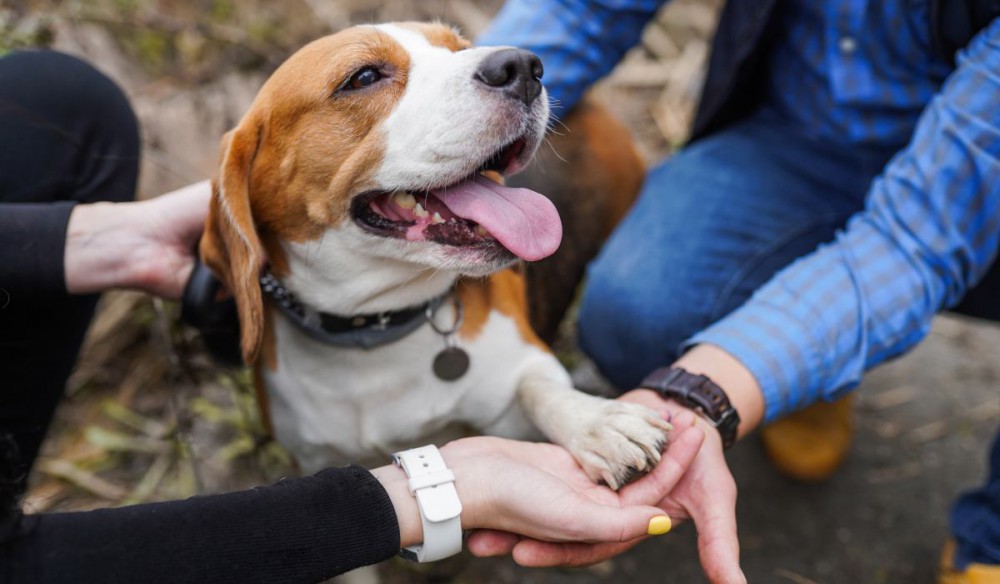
[(32, 248), (776, 349)]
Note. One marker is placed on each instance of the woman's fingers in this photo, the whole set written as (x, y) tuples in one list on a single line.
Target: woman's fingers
[(598, 523), (487, 543), (676, 460), (542, 554)]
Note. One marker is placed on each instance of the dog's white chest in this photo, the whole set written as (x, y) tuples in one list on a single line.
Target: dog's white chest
[(332, 405)]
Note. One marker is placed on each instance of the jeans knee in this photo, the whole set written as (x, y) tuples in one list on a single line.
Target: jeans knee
[(630, 326)]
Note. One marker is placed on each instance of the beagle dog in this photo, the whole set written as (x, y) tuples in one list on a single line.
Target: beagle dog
[(364, 183)]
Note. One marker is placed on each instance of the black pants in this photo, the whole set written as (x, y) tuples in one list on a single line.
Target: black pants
[(67, 135)]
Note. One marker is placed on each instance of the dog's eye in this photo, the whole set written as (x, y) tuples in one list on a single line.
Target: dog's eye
[(363, 78)]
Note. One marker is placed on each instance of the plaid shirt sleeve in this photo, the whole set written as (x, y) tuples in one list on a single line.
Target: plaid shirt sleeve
[(928, 232), (578, 41)]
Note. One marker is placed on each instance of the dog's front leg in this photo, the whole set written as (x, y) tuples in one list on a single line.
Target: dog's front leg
[(613, 441)]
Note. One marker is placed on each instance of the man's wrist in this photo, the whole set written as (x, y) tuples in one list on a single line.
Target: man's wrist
[(733, 377), (699, 393)]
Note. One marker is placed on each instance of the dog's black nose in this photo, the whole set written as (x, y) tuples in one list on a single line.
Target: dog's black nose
[(515, 72)]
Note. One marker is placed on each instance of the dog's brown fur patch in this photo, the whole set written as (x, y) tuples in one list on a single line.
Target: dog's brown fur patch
[(504, 292)]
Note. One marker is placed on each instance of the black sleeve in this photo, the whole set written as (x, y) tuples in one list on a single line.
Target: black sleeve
[(298, 530), (32, 246)]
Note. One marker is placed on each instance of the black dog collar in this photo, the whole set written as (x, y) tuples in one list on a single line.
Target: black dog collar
[(363, 330)]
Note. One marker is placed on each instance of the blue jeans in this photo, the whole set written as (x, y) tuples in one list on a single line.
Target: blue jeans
[(975, 518), (712, 224)]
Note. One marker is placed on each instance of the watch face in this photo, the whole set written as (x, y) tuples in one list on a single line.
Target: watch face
[(728, 425)]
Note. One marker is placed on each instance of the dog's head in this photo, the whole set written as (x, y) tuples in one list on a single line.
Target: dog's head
[(376, 140)]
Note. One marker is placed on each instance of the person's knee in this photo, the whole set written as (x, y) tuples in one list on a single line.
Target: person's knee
[(629, 325), (88, 107)]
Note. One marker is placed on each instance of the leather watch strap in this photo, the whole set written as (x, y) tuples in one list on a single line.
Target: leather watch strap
[(698, 393), (440, 510)]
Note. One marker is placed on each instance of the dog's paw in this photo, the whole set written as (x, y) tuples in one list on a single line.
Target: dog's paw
[(619, 442)]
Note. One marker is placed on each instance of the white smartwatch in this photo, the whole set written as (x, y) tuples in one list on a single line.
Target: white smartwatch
[(440, 510)]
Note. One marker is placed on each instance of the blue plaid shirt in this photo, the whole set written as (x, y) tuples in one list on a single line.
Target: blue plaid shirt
[(845, 70)]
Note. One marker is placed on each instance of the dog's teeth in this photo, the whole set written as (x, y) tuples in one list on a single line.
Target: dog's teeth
[(437, 218), (419, 211), (481, 231), (404, 200)]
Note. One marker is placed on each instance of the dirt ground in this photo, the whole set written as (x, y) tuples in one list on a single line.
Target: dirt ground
[(148, 417)]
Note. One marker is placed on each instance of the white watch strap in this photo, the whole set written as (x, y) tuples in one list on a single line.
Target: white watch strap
[(440, 510)]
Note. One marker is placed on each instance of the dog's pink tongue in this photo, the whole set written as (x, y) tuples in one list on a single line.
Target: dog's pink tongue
[(523, 221)]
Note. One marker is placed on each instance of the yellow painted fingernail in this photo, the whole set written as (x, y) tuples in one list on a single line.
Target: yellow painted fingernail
[(659, 525)]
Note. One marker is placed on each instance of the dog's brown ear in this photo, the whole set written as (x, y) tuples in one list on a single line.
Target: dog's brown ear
[(230, 246)]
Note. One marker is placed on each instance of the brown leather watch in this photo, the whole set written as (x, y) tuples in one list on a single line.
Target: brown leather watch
[(698, 393)]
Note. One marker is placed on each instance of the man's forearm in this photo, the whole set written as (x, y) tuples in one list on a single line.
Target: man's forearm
[(930, 228)]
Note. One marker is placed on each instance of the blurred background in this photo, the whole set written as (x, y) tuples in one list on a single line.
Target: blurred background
[(150, 417)]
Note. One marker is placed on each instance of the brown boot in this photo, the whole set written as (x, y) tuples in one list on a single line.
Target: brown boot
[(811, 444), (972, 574)]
